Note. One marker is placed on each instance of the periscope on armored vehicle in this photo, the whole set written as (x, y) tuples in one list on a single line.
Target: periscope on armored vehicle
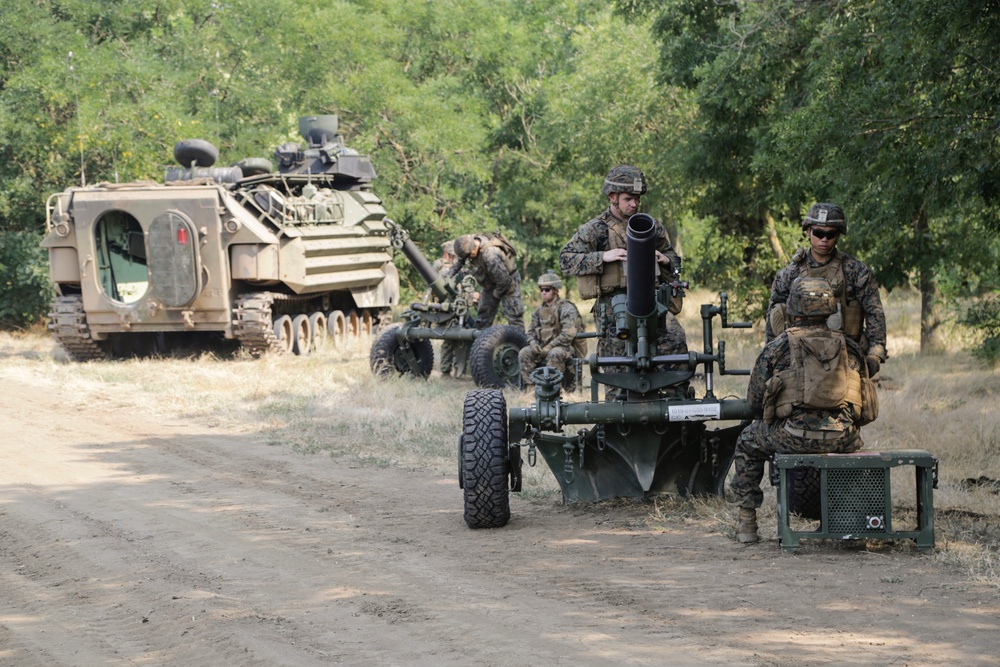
[(652, 438), (274, 259)]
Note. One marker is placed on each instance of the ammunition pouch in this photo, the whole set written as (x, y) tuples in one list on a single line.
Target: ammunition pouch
[(771, 391), (853, 319), (869, 401), (612, 279), (778, 319)]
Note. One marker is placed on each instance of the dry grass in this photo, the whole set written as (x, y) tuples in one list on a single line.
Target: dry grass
[(330, 404)]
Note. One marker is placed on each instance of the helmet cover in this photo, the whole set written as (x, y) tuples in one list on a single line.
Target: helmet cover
[(625, 178), (825, 215), (549, 279), (464, 245)]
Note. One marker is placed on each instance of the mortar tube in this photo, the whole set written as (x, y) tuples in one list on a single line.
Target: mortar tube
[(450, 333), (640, 267), (439, 286)]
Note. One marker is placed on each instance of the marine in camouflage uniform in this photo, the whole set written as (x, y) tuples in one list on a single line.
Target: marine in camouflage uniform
[(551, 333), (799, 428), (442, 265), (491, 262), (861, 314), (584, 255)]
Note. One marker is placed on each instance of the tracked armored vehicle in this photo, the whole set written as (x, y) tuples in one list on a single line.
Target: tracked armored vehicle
[(275, 259), (650, 435)]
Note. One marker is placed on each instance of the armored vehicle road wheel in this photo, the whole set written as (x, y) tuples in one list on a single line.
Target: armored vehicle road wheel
[(301, 338), (336, 324), (485, 459), (283, 332), (493, 359), (317, 330), (388, 357), (804, 492)]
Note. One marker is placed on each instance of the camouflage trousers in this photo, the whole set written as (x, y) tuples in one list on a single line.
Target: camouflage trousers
[(510, 302), (760, 441), (557, 357), (449, 358)]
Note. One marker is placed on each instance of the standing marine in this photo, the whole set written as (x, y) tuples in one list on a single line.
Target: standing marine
[(554, 324), (810, 392), (862, 317), (442, 265), (491, 261), (596, 255)]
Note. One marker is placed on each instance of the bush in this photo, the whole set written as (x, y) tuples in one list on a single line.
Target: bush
[(25, 288), (983, 317)]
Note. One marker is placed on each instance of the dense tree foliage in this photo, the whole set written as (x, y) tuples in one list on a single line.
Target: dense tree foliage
[(483, 114), (889, 108), (477, 114)]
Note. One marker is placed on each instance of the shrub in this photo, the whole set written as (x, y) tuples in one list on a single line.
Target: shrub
[(25, 289), (983, 317)]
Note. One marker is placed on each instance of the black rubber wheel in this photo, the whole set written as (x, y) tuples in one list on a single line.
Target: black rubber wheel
[(485, 470), (804, 492), (255, 166), (197, 151), (493, 358), (386, 357)]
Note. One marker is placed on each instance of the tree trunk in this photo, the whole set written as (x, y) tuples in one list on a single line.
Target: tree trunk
[(930, 319), (772, 237)]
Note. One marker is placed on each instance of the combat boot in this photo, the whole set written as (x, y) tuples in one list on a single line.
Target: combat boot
[(746, 527)]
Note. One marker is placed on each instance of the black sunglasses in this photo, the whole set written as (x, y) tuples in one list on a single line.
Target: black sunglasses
[(546, 289), (820, 234)]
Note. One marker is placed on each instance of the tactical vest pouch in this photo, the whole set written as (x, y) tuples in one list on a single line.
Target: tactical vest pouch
[(777, 318), (593, 285), (771, 391), (852, 320), (869, 401), (588, 285)]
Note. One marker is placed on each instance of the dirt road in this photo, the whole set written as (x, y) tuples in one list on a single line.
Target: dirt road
[(127, 540)]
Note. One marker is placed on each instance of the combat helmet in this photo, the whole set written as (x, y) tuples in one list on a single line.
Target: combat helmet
[(464, 245), (448, 248), (549, 279), (825, 215), (811, 297), (625, 178)]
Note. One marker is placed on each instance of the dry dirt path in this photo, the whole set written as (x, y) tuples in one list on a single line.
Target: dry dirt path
[(130, 540)]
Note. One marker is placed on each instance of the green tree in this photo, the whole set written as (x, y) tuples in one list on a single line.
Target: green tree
[(888, 108)]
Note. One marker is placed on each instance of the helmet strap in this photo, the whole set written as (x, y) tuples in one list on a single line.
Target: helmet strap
[(615, 210)]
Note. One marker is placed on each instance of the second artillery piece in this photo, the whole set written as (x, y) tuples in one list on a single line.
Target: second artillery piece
[(405, 348), (651, 438)]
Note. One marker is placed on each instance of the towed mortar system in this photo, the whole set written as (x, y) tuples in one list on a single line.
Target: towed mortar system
[(652, 438), (274, 259), (406, 348)]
